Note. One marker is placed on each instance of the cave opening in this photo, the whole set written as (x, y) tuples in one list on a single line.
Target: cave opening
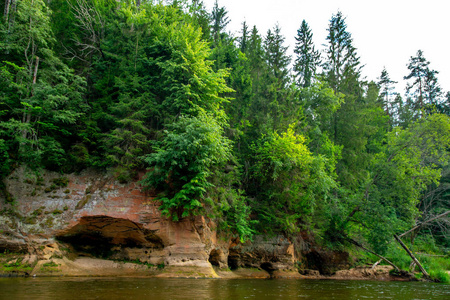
[(268, 267), (103, 236), (233, 260), (215, 257)]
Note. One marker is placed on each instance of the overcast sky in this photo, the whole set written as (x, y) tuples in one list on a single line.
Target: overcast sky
[(385, 32)]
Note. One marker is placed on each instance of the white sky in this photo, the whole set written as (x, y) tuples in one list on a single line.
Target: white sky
[(385, 32)]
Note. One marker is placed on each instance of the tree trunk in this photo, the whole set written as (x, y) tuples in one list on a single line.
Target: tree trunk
[(32, 88), (6, 13), (35, 70), (370, 251), (27, 113), (425, 274)]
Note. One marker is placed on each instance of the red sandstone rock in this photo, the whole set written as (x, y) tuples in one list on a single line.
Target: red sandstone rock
[(96, 216)]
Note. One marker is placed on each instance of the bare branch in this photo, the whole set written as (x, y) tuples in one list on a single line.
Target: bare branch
[(425, 222), (91, 25), (376, 254)]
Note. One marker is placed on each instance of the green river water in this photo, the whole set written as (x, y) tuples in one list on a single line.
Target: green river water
[(153, 288)]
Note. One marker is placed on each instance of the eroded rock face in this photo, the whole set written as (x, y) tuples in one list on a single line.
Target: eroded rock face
[(11, 242), (114, 238), (94, 216), (267, 253), (327, 262)]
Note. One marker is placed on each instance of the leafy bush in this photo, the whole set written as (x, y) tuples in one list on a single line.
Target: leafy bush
[(289, 178), (183, 163)]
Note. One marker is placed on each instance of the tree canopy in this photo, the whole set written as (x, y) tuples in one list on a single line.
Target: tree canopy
[(233, 128)]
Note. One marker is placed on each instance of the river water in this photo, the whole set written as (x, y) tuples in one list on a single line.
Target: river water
[(154, 288)]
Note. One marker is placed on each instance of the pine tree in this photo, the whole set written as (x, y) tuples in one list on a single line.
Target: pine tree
[(222, 44), (418, 67), (308, 58), (423, 90), (255, 53), (342, 71), (444, 106), (277, 96)]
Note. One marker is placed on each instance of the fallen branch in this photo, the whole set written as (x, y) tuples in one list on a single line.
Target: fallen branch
[(425, 274), (376, 254), (376, 264), (431, 255)]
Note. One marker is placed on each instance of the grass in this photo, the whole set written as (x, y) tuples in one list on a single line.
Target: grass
[(138, 262), (50, 264), (49, 267), (434, 260), (435, 265), (16, 267), (13, 267)]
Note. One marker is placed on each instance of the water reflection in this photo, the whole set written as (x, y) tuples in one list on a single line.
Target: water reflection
[(153, 288)]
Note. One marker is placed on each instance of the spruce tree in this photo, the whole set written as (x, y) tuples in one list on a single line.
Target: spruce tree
[(276, 54), (432, 89), (386, 93), (341, 61), (201, 17), (219, 21), (349, 127), (243, 39), (255, 54), (308, 58)]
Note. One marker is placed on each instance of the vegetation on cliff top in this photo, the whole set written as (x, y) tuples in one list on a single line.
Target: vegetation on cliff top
[(231, 127)]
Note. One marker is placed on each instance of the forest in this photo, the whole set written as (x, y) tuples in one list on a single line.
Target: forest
[(229, 127)]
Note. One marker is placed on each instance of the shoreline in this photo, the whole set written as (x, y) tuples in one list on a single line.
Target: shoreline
[(102, 268)]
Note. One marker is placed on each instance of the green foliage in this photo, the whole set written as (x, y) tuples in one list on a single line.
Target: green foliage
[(281, 165), (232, 211), (308, 58), (436, 266), (222, 125), (159, 70), (61, 181), (435, 263), (424, 89), (184, 160), (5, 161), (16, 267), (440, 276), (43, 96), (410, 164), (280, 153)]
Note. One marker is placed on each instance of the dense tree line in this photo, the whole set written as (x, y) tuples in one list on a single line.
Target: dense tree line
[(230, 127)]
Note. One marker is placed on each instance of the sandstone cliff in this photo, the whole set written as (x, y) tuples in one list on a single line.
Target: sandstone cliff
[(88, 224)]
